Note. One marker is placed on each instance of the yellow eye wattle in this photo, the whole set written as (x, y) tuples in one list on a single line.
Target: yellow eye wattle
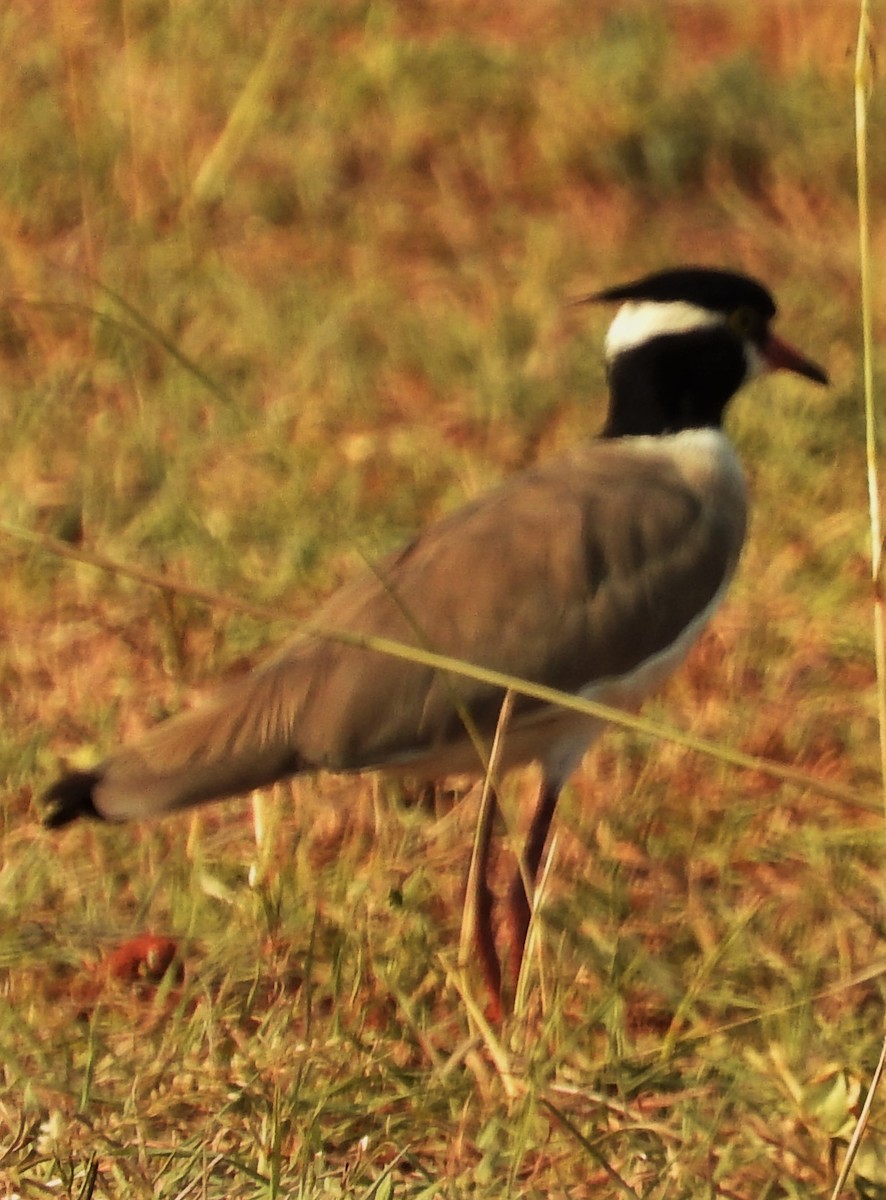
[(746, 322)]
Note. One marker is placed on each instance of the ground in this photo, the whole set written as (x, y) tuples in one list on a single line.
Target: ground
[(279, 287)]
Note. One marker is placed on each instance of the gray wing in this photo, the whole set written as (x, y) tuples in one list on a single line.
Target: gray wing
[(578, 572)]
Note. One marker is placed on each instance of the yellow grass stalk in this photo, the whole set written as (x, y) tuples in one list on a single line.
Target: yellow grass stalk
[(249, 111), (537, 893), (863, 84), (654, 730), (483, 831)]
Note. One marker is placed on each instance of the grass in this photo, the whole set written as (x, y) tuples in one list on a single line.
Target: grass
[(278, 288)]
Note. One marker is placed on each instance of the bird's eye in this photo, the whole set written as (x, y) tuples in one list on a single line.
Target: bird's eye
[(745, 322)]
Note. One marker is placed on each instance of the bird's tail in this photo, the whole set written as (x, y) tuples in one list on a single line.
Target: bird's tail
[(241, 739), (69, 798)]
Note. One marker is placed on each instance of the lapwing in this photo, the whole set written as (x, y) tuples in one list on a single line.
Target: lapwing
[(593, 573)]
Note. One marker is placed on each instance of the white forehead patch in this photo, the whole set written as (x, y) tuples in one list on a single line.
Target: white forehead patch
[(640, 321)]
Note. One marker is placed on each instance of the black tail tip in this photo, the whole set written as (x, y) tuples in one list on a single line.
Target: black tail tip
[(70, 798)]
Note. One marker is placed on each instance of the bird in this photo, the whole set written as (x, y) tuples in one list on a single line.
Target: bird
[(591, 573)]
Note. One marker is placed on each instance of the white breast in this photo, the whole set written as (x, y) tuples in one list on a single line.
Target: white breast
[(707, 460)]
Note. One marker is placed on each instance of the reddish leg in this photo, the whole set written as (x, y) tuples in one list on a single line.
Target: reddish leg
[(484, 940), (519, 904)]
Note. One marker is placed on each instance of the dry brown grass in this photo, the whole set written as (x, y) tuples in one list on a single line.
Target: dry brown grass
[(374, 296)]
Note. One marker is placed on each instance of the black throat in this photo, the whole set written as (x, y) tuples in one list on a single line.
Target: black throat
[(674, 382)]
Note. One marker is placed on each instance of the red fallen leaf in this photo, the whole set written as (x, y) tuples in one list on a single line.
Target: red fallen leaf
[(143, 959), (140, 963)]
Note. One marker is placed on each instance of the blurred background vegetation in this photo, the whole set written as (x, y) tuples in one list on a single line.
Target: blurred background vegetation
[(278, 285)]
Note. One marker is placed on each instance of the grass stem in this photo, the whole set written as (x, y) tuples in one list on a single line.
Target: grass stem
[(863, 81)]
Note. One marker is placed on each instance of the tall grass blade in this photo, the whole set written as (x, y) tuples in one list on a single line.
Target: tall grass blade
[(863, 84), (621, 1185), (146, 325), (861, 1126), (537, 893), (249, 112), (645, 726), (483, 832)]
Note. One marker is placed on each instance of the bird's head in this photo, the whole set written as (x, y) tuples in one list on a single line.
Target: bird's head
[(682, 344)]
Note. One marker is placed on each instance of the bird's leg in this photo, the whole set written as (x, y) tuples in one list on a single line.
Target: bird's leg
[(519, 902)]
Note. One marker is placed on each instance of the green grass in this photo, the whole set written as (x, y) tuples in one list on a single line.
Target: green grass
[(278, 287)]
